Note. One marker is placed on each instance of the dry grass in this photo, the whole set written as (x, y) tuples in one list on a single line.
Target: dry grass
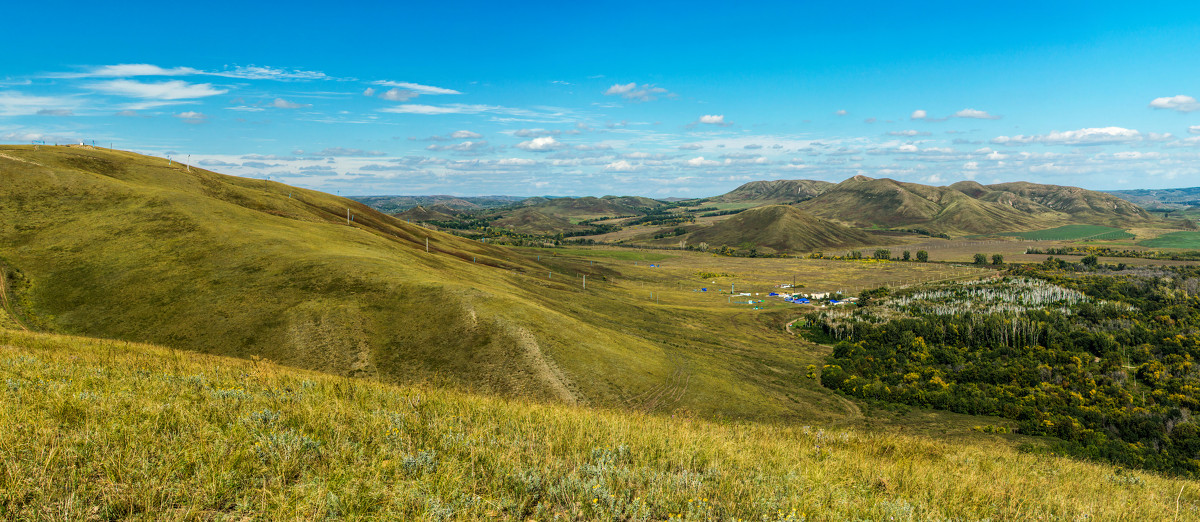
[(105, 430)]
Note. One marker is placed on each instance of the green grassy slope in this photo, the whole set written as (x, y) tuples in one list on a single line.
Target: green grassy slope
[(968, 207), (591, 207), (533, 220), (883, 202), (124, 246), (111, 430), (1183, 239), (420, 213), (780, 228), (774, 192)]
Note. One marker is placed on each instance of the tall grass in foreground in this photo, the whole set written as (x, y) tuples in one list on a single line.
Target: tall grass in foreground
[(103, 429)]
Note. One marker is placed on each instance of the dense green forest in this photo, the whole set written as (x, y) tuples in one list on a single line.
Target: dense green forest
[(1102, 359)]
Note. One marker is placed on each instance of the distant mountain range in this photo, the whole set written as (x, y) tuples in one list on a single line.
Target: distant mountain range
[(1161, 198), (393, 204), (795, 215), (965, 207)]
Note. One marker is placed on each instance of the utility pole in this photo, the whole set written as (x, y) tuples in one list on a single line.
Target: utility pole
[(426, 245), (347, 217), (585, 281)]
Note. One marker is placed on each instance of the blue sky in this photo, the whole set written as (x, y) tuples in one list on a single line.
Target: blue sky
[(670, 99)]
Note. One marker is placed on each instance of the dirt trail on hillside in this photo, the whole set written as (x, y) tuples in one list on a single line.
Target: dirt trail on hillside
[(7, 157), (4, 301), (545, 369)]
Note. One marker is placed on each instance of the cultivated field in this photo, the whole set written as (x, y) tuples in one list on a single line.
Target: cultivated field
[(1183, 239)]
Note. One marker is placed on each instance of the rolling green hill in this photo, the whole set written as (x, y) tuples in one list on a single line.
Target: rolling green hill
[(119, 245), (780, 228), (394, 204), (774, 192), (591, 207), (532, 220), (969, 207), (420, 213)]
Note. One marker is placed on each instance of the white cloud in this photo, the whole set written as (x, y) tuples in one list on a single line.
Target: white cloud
[(691, 146), (253, 72), (918, 114), (517, 162), (127, 70), (1093, 136), (14, 103), (369, 91), (1194, 141), (842, 112), (465, 134), (55, 112), (192, 116), (1019, 139), (1178, 102), (975, 114), (38, 136), (699, 161), (542, 144), (281, 103), (453, 108), (466, 146), (713, 119), (1194, 129), (908, 133), (168, 90), (971, 165), (621, 166), (396, 94), (418, 88), (634, 92), (533, 133), (1135, 155), (1089, 136), (340, 151)]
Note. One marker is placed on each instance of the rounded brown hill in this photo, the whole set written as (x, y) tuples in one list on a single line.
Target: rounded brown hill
[(420, 213), (781, 228)]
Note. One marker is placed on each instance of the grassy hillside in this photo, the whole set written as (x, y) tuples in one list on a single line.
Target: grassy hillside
[(420, 213), (780, 228), (883, 202), (107, 430), (968, 207), (531, 220), (592, 207), (774, 192), (394, 204), (118, 245), (1081, 204)]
